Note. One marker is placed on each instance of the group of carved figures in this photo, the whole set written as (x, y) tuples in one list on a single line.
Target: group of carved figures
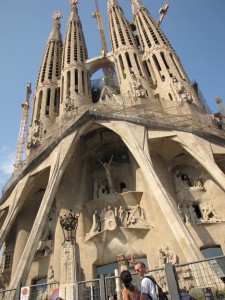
[(139, 91), (36, 133), (182, 182), (208, 213), (181, 90), (109, 218), (187, 208), (167, 256)]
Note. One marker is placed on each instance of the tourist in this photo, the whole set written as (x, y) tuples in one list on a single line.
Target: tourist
[(148, 288), (130, 291)]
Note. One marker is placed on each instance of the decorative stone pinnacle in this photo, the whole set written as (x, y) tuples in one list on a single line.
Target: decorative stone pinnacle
[(73, 2), (57, 15)]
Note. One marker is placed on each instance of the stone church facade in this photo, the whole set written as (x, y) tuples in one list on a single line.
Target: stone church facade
[(137, 170)]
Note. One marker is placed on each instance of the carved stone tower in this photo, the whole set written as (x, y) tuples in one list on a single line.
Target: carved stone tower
[(75, 77), (141, 163), (163, 67), (131, 73), (47, 92)]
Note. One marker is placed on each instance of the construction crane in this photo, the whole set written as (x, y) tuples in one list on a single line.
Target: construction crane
[(108, 71), (23, 133), (163, 10)]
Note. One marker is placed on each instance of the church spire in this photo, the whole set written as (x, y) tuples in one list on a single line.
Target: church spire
[(131, 73), (160, 60), (75, 77), (51, 65), (136, 4), (47, 93)]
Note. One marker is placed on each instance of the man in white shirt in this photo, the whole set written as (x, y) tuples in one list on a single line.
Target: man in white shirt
[(148, 289)]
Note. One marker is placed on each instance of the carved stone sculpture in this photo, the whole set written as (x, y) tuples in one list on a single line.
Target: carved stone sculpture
[(138, 89), (171, 256), (122, 262), (51, 274), (68, 104), (208, 212), (33, 143), (108, 173), (96, 225), (111, 217), (181, 90), (167, 256), (162, 257), (45, 243), (36, 128), (188, 213), (222, 112)]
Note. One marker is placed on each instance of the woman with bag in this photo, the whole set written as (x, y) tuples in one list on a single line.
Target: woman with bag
[(130, 291)]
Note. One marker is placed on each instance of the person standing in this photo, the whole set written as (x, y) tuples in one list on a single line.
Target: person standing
[(130, 291), (148, 288)]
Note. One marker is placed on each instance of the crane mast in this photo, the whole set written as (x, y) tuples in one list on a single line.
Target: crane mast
[(23, 133), (98, 17), (108, 71), (163, 10)]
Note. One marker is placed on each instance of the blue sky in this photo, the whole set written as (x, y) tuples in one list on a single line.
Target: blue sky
[(195, 29)]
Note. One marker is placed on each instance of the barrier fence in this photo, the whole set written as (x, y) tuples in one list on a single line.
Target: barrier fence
[(204, 280)]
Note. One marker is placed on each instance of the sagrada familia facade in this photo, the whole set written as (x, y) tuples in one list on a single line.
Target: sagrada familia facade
[(133, 165)]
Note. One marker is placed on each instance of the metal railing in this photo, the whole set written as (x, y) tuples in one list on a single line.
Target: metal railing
[(204, 280), (34, 292), (201, 279), (7, 294)]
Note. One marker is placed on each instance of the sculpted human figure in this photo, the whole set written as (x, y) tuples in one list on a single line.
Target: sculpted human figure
[(108, 174), (171, 256), (190, 216), (121, 215), (184, 95), (97, 188), (51, 274), (96, 227), (110, 220), (45, 243), (162, 257), (135, 218), (122, 262), (139, 91), (208, 212), (222, 111), (36, 128), (180, 184)]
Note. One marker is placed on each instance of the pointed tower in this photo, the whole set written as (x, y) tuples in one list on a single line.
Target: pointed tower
[(160, 60), (131, 74), (47, 93), (75, 77)]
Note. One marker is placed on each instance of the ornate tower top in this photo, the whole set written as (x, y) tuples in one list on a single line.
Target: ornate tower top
[(111, 3), (56, 34), (73, 2), (136, 5), (57, 16)]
